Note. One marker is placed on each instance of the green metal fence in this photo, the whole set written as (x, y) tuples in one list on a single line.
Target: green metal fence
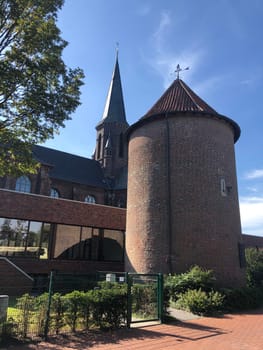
[(126, 298), (145, 298)]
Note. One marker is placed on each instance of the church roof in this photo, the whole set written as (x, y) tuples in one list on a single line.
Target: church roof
[(180, 98), (114, 110), (69, 167)]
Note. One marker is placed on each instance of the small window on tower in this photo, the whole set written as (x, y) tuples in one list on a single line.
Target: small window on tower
[(223, 187)]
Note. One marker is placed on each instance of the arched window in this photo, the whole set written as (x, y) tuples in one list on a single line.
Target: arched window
[(23, 184), (54, 193), (90, 199)]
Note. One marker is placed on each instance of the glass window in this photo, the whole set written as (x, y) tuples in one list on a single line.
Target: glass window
[(23, 184), (85, 243), (67, 242), (13, 235), (113, 245), (45, 239), (24, 238), (223, 187), (54, 193), (34, 239), (90, 199)]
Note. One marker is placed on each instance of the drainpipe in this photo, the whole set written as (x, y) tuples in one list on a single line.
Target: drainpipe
[(169, 211)]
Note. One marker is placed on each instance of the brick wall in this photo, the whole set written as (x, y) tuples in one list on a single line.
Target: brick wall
[(252, 241), (176, 214), (40, 208), (13, 281)]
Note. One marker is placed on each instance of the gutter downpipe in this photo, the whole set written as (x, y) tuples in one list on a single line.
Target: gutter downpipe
[(168, 158)]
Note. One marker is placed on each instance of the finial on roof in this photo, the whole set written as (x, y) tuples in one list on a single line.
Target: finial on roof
[(117, 49), (179, 69)]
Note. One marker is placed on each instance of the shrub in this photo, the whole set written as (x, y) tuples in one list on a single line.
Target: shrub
[(144, 300), (26, 306), (200, 302), (243, 298), (195, 278), (254, 259), (41, 305), (108, 306), (57, 312), (76, 303), (8, 330)]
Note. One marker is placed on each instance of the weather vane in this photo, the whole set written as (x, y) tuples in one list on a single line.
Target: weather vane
[(117, 48), (179, 69)]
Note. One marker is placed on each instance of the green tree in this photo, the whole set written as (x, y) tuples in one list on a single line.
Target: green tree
[(254, 258), (38, 92)]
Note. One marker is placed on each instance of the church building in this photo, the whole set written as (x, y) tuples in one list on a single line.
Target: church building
[(101, 180), (178, 163)]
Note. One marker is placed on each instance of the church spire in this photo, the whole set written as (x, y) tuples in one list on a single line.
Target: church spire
[(114, 110), (111, 146)]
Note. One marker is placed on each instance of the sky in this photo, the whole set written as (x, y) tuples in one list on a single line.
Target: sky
[(220, 40)]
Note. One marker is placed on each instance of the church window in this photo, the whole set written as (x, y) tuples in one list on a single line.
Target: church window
[(23, 184), (54, 193), (90, 199)]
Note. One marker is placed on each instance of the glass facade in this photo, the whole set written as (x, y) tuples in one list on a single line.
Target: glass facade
[(56, 241), (24, 238)]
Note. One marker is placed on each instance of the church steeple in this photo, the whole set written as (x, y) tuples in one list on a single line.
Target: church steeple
[(112, 127), (114, 110)]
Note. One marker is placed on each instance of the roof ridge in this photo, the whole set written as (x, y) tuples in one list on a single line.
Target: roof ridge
[(187, 90)]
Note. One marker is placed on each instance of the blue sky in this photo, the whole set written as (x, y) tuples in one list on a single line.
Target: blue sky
[(220, 40)]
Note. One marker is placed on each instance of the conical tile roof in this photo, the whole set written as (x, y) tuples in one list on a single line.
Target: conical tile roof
[(179, 98)]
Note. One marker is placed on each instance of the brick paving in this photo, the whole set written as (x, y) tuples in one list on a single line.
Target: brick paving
[(229, 332)]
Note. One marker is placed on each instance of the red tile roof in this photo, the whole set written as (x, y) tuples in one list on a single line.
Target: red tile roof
[(179, 98)]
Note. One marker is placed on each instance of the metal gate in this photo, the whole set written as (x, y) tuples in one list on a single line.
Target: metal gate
[(145, 298)]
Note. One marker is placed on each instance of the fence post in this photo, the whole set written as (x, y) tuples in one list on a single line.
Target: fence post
[(50, 290), (160, 297), (129, 300)]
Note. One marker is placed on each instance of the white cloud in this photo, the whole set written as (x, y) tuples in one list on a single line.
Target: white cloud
[(165, 57), (165, 63), (254, 174), (208, 84), (252, 189), (159, 34), (251, 211)]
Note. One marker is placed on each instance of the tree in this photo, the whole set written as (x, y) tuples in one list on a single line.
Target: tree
[(254, 258), (38, 92)]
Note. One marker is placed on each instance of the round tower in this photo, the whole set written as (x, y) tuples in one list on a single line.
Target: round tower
[(183, 205)]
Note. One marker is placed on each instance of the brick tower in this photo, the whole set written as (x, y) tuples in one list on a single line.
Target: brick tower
[(182, 189), (111, 145)]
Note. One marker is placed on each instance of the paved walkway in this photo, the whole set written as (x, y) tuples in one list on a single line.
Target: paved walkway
[(229, 332)]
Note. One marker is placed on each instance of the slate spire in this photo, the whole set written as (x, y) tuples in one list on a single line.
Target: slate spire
[(114, 110)]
